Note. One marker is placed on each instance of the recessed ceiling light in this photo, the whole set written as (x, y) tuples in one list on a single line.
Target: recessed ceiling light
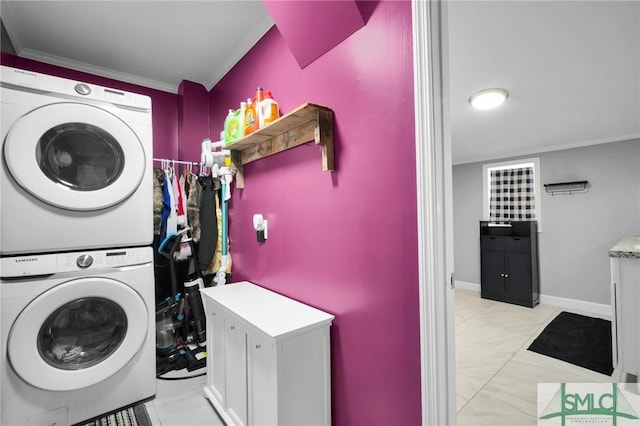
[(488, 98)]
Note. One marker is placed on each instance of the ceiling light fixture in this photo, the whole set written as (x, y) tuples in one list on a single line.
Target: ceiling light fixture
[(488, 98)]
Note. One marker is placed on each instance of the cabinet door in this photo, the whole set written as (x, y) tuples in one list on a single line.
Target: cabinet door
[(628, 288), (215, 355), (263, 386), (236, 370), (492, 275), (518, 280)]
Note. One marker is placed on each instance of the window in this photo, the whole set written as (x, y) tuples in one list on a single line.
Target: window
[(512, 191)]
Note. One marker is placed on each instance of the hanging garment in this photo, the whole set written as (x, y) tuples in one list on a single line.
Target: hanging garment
[(158, 199), (216, 262), (194, 191), (208, 222), (181, 201), (172, 219), (166, 211)]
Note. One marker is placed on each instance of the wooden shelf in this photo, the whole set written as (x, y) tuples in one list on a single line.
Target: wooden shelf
[(306, 123)]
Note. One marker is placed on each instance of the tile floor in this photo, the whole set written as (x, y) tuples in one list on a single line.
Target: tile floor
[(496, 375), (181, 403)]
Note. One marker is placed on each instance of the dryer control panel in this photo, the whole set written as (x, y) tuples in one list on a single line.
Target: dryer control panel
[(15, 77), (48, 264)]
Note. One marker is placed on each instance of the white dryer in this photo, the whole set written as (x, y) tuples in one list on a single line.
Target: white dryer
[(77, 335), (76, 169)]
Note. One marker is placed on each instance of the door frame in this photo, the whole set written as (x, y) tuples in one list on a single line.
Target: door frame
[(434, 211)]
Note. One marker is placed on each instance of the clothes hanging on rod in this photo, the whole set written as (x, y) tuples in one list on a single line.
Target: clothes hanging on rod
[(186, 199), (170, 203)]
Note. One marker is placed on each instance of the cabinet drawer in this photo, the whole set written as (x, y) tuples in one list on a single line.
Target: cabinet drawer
[(518, 244), (492, 243)]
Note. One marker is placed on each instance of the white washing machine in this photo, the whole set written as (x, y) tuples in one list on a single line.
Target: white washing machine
[(76, 169), (77, 335)]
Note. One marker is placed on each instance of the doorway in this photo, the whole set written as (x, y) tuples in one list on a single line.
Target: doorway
[(436, 155)]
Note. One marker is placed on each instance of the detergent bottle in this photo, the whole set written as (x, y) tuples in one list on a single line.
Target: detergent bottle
[(234, 125), (227, 126), (268, 110), (251, 116)]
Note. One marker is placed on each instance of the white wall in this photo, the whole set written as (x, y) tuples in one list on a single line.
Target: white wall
[(577, 230)]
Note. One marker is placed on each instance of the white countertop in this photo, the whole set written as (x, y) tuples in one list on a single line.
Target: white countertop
[(628, 247), (273, 314)]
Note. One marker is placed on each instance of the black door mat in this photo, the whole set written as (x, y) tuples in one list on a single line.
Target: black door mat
[(577, 339), (132, 416)]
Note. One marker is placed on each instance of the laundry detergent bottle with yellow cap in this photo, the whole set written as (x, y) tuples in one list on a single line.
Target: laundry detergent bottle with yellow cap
[(268, 111)]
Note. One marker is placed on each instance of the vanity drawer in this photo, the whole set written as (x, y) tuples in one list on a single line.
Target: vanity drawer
[(518, 244), (492, 243)]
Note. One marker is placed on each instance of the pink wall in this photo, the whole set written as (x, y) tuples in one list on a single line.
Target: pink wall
[(164, 105), (193, 118), (344, 242)]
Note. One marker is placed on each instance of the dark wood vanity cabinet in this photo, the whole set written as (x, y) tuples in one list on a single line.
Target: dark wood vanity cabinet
[(509, 263)]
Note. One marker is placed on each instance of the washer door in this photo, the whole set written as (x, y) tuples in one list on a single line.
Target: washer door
[(77, 334), (75, 156)]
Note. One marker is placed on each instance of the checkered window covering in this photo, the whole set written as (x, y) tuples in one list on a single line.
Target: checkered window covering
[(512, 197)]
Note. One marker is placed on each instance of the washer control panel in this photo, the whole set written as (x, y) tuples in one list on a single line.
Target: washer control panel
[(47, 264)]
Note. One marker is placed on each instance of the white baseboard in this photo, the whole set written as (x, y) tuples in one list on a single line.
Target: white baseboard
[(580, 305), (464, 285)]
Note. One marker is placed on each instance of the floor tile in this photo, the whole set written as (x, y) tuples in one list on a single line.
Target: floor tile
[(489, 339), (468, 304), (496, 375), (182, 402), (153, 413)]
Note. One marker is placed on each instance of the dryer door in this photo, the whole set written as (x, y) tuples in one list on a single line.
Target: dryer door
[(77, 334), (75, 156)]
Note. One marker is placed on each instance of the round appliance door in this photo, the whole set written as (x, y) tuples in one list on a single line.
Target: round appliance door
[(77, 334), (75, 156)]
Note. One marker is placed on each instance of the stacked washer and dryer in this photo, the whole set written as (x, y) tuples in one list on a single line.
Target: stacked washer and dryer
[(76, 274)]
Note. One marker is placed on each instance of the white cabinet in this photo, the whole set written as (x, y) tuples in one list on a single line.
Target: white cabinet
[(268, 357), (625, 321)]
